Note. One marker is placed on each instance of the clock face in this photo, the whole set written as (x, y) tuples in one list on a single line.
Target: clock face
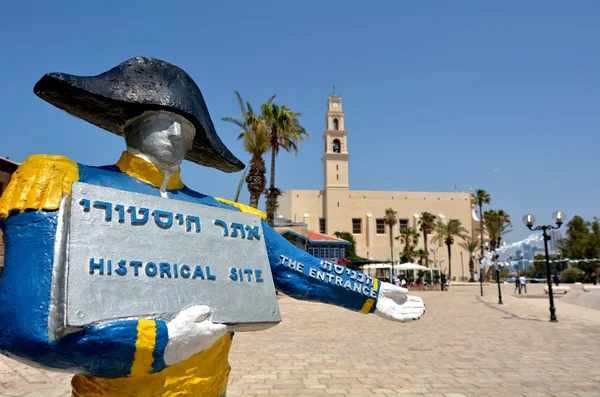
[(335, 104)]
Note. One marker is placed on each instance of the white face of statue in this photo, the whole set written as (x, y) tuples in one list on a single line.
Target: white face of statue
[(162, 137)]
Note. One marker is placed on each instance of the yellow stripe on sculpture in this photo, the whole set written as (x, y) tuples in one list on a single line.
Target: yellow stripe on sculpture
[(38, 184), (144, 347), (147, 172), (369, 302), (204, 374), (244, 208)]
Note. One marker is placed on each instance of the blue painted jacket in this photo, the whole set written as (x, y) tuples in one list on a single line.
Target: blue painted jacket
[(108, 349)]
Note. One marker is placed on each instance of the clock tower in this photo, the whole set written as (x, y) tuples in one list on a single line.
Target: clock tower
[(335, 164)]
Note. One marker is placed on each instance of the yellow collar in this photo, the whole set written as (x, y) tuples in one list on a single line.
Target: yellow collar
[(147, 172)]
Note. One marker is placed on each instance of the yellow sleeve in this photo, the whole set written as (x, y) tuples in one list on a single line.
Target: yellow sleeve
[(244, 208), (38, 184)]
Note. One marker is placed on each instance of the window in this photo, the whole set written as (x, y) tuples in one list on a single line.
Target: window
[(337, 146), (313, 251), (403, 223), (322, 225), (337, 168), (356, 225), (380, 226), (334, 253), (325, 252), (336, 124)]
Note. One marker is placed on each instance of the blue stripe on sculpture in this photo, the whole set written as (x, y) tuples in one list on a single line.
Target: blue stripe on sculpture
[(162, 337)]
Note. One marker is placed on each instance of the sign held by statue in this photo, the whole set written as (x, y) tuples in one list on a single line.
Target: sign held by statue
[(131, 254)]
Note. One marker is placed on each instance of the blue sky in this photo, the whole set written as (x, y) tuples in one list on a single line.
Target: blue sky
[(436, 94)]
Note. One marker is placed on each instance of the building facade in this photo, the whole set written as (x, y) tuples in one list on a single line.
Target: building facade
[(338, 208)]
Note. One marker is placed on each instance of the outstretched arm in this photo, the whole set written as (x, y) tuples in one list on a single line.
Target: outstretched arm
[(302, 276)]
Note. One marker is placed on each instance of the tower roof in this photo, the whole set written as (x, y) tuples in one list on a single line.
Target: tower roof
[(333, 94)]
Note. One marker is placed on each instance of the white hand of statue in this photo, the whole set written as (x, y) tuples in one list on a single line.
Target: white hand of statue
[(395, 304), (191, 332)]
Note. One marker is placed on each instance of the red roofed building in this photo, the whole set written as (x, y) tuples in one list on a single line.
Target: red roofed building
[(317, 244)]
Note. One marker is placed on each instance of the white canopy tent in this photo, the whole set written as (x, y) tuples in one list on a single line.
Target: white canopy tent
[(414, 267), (397, 269)]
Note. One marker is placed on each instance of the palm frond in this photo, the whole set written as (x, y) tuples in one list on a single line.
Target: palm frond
[(240, 101)]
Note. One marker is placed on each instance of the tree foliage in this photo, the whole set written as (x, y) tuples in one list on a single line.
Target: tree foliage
[(479, 198), (471, 247), (426, 225), (285, 132), (391, 218), (447, 232), (582, 241), (572, 275), (422, 255), (497, 224), (410, 236), (350, 250), (256, 142)]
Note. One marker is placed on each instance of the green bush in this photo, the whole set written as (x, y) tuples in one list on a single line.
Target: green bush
[(571, 275)]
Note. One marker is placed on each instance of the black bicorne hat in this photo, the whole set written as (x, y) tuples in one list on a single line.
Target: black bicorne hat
[(126, 91)]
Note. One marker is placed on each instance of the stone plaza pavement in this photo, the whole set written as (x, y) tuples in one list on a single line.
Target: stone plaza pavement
[(464, 346)]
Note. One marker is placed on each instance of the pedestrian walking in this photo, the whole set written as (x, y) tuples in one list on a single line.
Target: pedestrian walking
[(523, 283)]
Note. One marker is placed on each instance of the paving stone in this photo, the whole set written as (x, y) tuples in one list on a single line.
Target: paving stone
[(465, 345)]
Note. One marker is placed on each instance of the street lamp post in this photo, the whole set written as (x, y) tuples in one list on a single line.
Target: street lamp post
[(480, 275), (481, 266), (496, 256), (473, 259), (529, 221), (434, 252), (518, 272)]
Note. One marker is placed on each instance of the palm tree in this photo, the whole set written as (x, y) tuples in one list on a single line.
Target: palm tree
[(426, 225), (422, 255), (470, 246), (480, 198), (391, 218), (285, 132), (240, 184), (446, 232), (410, 236), (497, 223), (256, 142)]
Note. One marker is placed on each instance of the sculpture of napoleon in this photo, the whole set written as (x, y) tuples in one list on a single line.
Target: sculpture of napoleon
[(161, 113)]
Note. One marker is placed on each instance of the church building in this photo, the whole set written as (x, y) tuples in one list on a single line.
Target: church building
[(336, 207)]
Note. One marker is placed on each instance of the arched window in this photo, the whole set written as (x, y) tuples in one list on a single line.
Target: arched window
[(336, 124), (337, 146)]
